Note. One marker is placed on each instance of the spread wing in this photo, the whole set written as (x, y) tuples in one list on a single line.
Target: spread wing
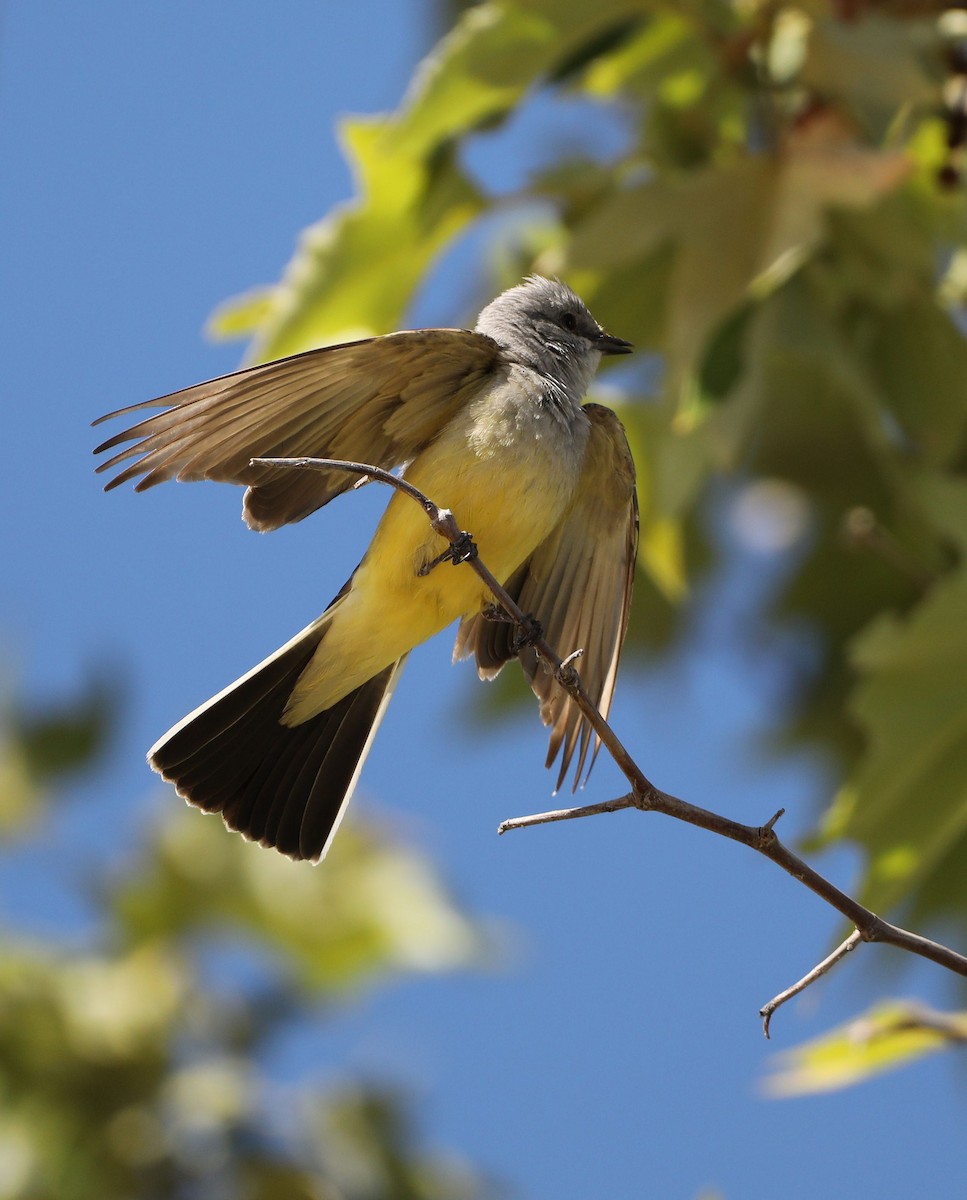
[(578, 584), (377, 401)]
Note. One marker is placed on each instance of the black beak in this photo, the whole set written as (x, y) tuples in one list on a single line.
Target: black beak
[(612, 345)]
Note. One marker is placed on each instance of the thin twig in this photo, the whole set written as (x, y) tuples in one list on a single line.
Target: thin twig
[(644, 795), (828, 962), (568, 814)]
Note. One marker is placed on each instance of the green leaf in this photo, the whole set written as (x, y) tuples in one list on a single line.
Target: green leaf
[(366, 1140), (241, 316), (659, 61), (497, 51), (378, 908), (38, 748), (739, 230), (920, 362), (356, 270), (944, 501), (875, 65), (66, 737), (906, 803)]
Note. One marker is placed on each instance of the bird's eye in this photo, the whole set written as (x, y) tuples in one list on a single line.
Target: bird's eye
[(569, 321)]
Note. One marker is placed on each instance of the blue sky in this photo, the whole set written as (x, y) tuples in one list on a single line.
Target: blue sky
[(158, 159)]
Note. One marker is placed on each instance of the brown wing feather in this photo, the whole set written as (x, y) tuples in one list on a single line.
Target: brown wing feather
[(377, 401), (578, 584)]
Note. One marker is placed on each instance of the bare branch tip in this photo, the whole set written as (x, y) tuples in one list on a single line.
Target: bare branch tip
[(771, 823)]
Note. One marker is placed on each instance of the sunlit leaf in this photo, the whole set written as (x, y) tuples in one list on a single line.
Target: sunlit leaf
[(889, 1036), (356, 270), (661, 550)]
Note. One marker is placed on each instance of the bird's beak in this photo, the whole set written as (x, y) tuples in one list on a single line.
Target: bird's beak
[(612, 345)]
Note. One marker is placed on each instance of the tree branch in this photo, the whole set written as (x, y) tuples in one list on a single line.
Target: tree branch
[(644, 795), (828, 962)]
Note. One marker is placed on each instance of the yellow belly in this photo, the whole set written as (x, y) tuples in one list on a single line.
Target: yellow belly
[(508, 495)]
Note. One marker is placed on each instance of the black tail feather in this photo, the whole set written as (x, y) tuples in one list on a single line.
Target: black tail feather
[(282, 786)]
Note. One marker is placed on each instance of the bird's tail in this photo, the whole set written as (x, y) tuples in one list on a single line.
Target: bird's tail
[(282, 786)]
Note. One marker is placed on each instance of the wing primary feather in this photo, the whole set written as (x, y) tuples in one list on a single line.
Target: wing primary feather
[(380, 400)]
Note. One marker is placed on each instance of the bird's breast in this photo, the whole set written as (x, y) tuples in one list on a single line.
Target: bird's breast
[(508, 477), (507, 468)]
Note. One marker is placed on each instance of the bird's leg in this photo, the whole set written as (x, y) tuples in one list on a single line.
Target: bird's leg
[(460, 551)]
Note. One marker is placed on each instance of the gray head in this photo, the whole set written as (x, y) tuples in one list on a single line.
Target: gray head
[(542, 324)]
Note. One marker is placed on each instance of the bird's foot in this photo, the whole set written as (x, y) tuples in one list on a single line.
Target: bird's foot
[(460, 551), (529, 630)]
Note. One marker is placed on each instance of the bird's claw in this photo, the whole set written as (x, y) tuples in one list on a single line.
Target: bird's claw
[(460, 551), (529, 630)]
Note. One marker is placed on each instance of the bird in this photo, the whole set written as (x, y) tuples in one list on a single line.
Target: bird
[(490, 423)]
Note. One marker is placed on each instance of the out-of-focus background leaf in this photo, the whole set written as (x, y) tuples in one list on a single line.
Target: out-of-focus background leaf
[(891, 1035)]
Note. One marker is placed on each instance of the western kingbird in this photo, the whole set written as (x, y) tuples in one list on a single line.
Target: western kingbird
[(489, 424)]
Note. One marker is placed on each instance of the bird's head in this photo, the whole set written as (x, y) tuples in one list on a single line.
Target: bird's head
[(544, 325)]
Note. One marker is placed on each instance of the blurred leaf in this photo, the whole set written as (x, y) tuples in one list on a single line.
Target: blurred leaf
[(117, 1079), (774, 213), (875, 65), (656, 62), (66, 737), (82, 1041), (366, 1140), (907, 801), (891, 1035), (356, 270), (38, 748), (377, 907), (243, 315), (110, 1009), (920, 360), (661, 550), (496, 52)]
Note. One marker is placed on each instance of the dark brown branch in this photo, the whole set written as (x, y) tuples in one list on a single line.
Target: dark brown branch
[(644, 795)]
